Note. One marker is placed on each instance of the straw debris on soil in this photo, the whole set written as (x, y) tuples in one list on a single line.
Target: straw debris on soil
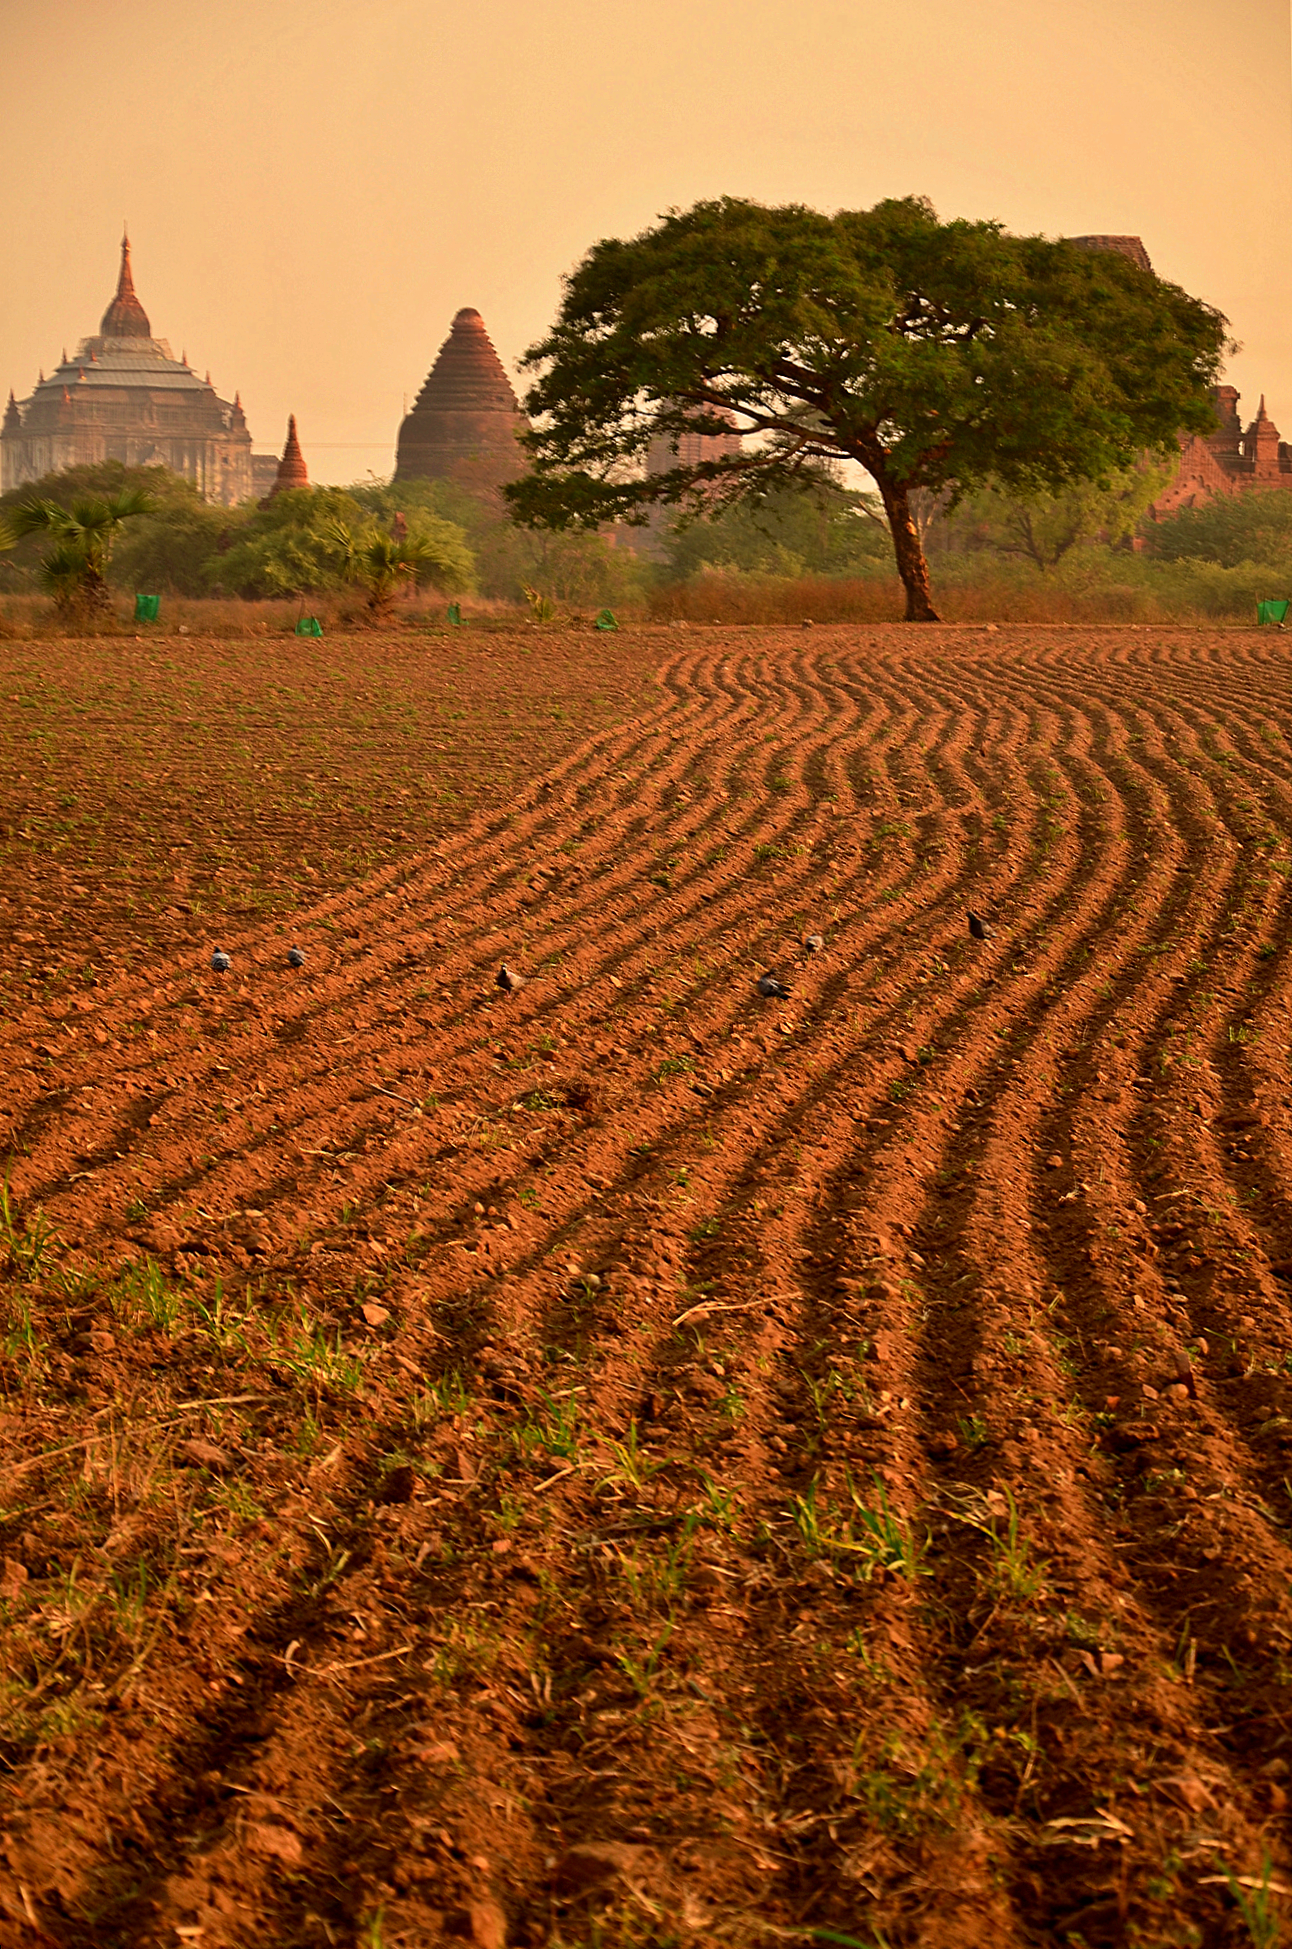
[(628, 1461)]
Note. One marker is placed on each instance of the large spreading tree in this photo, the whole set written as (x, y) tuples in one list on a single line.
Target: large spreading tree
[(944, 356)]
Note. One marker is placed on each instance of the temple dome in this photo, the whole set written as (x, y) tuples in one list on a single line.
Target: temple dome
[(466, 419), (125, 317)]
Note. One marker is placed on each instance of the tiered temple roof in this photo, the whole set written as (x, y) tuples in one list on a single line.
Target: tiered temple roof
[(125, 396), (465, 422)]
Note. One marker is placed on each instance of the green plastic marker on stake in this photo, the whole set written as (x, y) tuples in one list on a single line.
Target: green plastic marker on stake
[(147, 608), (309, 626), (607, 620), (455, 616), (1271, 612)]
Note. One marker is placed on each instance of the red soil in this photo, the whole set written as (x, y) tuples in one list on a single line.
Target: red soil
[(631, 1463)]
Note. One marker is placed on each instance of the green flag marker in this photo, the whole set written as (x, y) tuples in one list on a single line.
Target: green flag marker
[(309, 626), (1271, 612), (455, 616), (607, 620)]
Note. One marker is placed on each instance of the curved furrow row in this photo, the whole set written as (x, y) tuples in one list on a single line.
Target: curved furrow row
[(783, 1410)]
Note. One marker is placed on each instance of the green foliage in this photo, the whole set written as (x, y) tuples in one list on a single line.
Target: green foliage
[(580, 571), (289, 547), (167, 551), (937, 355), (824, 529), (1043, 528), (164, 550), (309, 540), (1231, 529), (81, 532)]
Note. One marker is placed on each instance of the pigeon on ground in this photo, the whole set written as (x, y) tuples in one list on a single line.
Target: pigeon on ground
[(814, 943), (295, 959), (220, 961), (771, 985), (508, 980), (978, 926)]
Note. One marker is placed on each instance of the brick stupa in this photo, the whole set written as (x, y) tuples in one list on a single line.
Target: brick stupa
[(1131, 247), (465, 421), (292, 471)]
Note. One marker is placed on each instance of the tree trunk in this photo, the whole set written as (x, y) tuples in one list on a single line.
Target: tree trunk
[(908, 549)]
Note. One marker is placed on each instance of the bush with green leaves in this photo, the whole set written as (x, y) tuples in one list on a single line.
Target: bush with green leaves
[(1229, 529), (80, 535), (580, 571), (826, 529), (1041, 528), (311, 540)]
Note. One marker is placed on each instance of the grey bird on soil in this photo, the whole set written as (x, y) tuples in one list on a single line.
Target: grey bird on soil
[(508, 980), (220, 961), (978, 926), (295, 959), (771, 985), (814, 943)]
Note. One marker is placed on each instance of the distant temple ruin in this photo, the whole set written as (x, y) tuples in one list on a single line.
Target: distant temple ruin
[(126, 397), (291, 470), (1232, 460), (466, 421)]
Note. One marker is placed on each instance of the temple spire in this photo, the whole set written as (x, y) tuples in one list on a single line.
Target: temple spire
[(125, 317), (292, 471)]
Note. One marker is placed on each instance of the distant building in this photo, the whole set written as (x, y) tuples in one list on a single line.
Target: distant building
[(1232, 460), (126, 397), (691, 449), (665, 452), (291, 470), (466, 421), (264, 474), (1229, 461), (1132, 247)]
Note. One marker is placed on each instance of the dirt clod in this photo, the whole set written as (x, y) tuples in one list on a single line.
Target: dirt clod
[(594, 1864)]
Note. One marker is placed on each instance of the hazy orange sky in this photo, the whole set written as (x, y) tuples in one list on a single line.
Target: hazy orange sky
[(314, 187)]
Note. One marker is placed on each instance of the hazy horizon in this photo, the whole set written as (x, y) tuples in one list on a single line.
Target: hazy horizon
[(312, 194)]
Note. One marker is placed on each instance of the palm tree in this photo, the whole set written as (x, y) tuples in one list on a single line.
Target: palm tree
[(75, 570), (385, 564)]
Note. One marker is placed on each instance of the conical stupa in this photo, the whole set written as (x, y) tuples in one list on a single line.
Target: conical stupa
[(292, 471), (465, 421)]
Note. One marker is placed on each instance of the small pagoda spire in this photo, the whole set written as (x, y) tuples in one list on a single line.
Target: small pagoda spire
[(292, 471), (12, 417), (125, 317)]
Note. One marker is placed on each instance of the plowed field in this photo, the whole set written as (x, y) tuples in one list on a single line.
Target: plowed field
[(629, 1462)]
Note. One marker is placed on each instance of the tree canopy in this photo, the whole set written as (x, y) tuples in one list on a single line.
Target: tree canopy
[(825, 529), (81, 535), (940, 356), (1229, 528), (1043, 528), (310, 539)]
